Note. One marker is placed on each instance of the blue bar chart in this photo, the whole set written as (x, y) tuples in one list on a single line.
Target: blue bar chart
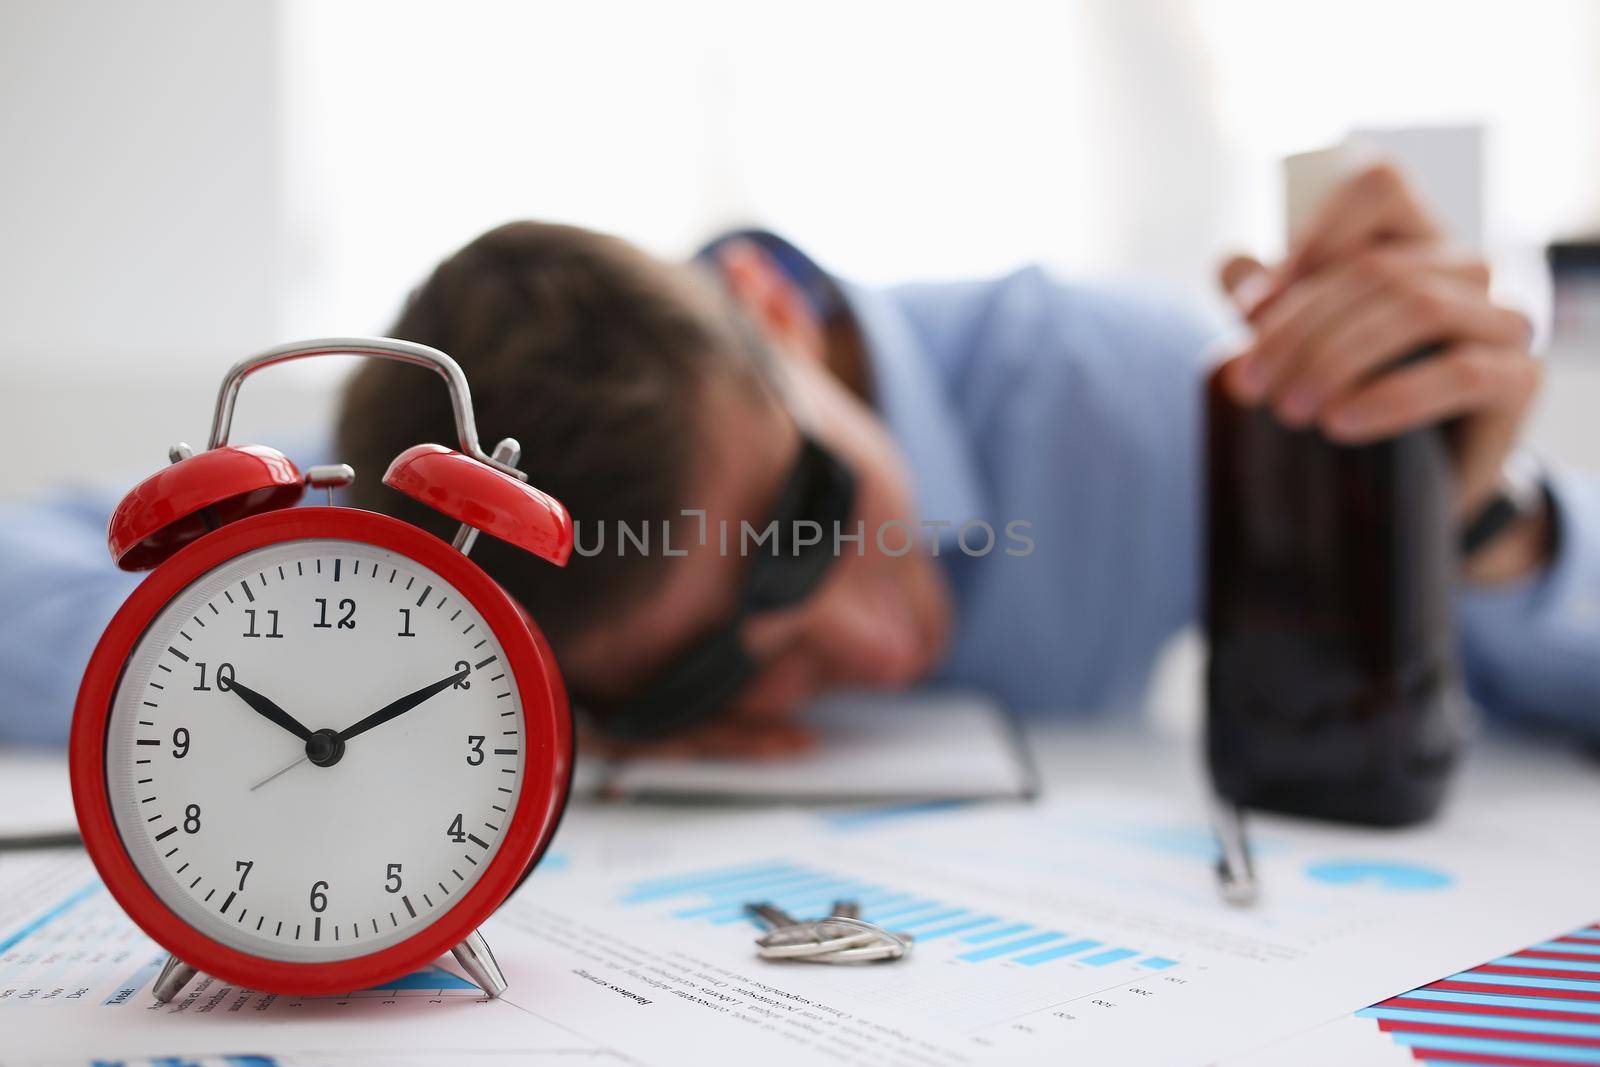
[(717, 896)]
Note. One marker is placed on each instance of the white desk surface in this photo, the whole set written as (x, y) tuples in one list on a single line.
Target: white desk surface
[(1537, 783)]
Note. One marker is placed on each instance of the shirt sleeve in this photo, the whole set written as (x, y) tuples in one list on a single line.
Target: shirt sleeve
[(1532, 648), (58, 588)]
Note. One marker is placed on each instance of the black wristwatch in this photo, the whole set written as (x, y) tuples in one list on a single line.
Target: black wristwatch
[(1521, 492)]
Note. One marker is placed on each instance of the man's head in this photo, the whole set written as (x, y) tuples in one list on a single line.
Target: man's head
[(637, 393)]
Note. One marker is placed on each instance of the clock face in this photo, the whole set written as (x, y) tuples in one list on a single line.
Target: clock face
[(358, 838)]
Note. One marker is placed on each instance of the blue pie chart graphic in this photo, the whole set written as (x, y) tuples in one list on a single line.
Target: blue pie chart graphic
[(1379, 874)]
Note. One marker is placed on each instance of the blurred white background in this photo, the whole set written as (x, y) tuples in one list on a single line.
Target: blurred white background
[(188, 181)]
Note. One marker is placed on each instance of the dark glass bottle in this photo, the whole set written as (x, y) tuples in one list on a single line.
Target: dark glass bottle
[(1332, 686)]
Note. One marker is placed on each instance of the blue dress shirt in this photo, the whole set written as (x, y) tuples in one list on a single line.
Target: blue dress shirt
[(1072, 408)]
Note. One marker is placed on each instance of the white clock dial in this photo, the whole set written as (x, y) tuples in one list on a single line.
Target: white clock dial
[(341, 853)]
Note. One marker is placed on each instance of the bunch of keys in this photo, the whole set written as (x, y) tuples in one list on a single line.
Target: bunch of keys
[(839, 937)]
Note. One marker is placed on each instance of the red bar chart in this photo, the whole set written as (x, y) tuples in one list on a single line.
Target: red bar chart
[(1539, 1007)]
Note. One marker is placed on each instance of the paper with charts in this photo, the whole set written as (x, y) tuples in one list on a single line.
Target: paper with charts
[(1088, 926)]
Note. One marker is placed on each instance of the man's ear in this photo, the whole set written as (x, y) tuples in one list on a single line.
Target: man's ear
[(768, 296)]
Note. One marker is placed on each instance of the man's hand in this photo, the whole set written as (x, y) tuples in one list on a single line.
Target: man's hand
[(1368, 282)]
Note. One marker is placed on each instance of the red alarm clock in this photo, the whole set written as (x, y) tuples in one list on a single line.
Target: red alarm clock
[(318, 746)]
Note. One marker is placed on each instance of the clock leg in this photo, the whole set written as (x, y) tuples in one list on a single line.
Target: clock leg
[(475, 958), (175, 974)]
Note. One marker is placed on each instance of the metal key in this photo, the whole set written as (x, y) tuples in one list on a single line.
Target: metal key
[(785, 931), (845, 908), (835, 939), (817, 949), (775, 917), (840, 937), (871, 944)]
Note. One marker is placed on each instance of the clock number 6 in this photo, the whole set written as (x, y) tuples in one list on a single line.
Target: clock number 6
[(319, 896)]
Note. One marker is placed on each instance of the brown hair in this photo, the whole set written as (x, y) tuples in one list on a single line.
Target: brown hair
[(589, 352)]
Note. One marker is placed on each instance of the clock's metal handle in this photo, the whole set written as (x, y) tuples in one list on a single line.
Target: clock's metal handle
[(376, 348)]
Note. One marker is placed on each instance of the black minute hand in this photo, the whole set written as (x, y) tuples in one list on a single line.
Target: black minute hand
[(401, 706), (268, 710)]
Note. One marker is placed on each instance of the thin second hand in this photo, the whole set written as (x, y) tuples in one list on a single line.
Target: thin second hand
[(276, 773)]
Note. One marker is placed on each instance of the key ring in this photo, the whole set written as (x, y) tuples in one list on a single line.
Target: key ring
[(865, 954), (857, 947), (807, 933), (811, 933), (806, 949)]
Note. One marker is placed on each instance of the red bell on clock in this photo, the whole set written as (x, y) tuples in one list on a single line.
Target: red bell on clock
[(317, 747)]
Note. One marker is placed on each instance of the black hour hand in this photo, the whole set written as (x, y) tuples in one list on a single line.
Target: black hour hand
[(270, 711), (401, 706)]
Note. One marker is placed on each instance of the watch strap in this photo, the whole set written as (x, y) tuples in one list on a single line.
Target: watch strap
[(1521, 491)]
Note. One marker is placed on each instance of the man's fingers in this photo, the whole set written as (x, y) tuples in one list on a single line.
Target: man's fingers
[(1302, 317), (1285, 328), (1245, 281), (1374, 206), (1494, 385), (1384, 329), (1291, 319), (1469, 377)]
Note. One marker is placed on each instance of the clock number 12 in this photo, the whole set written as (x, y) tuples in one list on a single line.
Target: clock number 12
[(347, 621)]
